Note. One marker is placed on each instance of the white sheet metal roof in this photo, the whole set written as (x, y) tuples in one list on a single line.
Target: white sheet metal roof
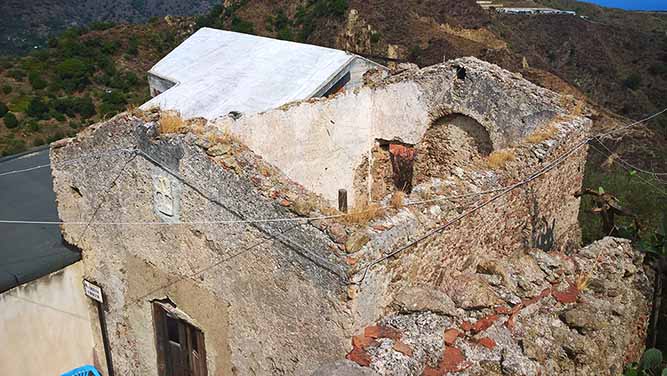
[(218, 71)]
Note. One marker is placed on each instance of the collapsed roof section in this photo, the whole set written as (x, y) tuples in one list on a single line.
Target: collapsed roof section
[(215, 72)]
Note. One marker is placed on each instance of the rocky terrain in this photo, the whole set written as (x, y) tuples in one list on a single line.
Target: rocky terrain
[(536, 313)]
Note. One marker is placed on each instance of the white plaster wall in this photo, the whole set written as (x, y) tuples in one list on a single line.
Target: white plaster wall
[(320, 143), (45, 326)]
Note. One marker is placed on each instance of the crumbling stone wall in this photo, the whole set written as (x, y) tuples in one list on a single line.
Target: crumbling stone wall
[(258, 291), (321, 143), (542, 213), (534, 313)]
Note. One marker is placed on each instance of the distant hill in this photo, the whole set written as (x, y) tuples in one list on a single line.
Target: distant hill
[(29, 23)]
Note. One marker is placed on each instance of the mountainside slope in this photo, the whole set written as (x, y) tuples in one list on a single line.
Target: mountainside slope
[(29, 23)]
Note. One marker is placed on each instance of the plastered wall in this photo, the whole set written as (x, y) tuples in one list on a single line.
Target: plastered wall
[(45, 326)]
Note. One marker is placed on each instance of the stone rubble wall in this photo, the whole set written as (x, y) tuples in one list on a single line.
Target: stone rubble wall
[(534, 313), (320, 143), (541, 214)]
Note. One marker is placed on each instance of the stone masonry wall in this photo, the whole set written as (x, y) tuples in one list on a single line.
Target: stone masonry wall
[(264, 287), (541, 214)]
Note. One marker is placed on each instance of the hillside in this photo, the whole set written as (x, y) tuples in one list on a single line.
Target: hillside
[(84, 76), (29, 23)]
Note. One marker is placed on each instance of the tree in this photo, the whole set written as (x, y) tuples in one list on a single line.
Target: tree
[(86, 108), (36, 81), (37, 108), (74, 73), (633, 81), (10, 120), (133, 46)]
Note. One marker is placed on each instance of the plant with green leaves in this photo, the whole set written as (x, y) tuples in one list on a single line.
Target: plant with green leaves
[(650, 364), (656, 243)]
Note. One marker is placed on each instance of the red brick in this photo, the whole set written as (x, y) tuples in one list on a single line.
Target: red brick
[(450, 336), (466, 326), (487, 342)]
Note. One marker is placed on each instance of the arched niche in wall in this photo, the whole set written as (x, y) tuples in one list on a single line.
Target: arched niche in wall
[(451, 140)]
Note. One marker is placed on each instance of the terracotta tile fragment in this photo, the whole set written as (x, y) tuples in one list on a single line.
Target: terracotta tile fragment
[(566, 296), (466, 326), (483, 324), (487, 342), (503, 310), (378, 331), (452, 359), (360, 357), (362, 342), (450, 336), (403, 348)]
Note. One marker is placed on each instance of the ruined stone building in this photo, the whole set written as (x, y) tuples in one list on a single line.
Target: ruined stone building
[(220, 249)]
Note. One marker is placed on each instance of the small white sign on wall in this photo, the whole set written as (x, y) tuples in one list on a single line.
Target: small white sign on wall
[(92, 291)]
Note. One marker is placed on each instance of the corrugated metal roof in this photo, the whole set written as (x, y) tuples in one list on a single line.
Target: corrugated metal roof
[(28, 252), (218, 71)]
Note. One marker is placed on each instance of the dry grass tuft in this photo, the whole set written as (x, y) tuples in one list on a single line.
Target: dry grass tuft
[(397, 199), (220, 138), (363, 214), (171, 122), (540, 135), (499, 158)]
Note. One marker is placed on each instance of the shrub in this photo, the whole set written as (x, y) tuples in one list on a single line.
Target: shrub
[(375, 37), (112, 103), (16, 74), (55, 137), (14, 146), (74, 73), (633, 81), (37, 108), (241, 26), (38, 141), (10, 120), (3, 109), (363, 214), (32, 126), (133, 46), (540, 135), (36, 81), (658, 69), (7, 89)]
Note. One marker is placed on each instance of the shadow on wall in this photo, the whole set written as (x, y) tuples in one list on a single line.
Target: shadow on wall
[(542, 234)]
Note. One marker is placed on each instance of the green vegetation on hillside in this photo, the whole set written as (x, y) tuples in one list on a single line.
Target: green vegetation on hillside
[(85, 75)]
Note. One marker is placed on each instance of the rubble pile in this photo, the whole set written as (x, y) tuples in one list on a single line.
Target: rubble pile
[(535, 313)]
